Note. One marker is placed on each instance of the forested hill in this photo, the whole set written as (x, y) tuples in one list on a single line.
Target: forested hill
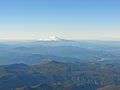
[(60, 76)]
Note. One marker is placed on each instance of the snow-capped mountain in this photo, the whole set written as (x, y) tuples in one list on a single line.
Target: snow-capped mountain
[(52, 38)]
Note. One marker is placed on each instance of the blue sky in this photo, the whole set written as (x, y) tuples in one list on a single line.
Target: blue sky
[(70, 19)]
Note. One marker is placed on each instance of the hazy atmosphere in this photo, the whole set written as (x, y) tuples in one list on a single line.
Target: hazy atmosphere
[(69, 19)]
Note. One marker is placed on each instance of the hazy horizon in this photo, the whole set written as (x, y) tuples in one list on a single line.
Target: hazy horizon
[(68, 19)]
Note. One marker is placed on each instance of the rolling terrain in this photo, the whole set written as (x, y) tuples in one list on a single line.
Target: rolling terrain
[(36, 52), (60, 65)]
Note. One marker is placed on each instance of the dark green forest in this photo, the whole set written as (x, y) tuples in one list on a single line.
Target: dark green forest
[(60, 76)]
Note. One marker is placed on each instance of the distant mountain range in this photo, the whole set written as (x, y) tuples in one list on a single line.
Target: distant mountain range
[(36, 52)]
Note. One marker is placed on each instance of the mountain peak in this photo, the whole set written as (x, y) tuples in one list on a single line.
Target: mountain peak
[(52, 38)]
